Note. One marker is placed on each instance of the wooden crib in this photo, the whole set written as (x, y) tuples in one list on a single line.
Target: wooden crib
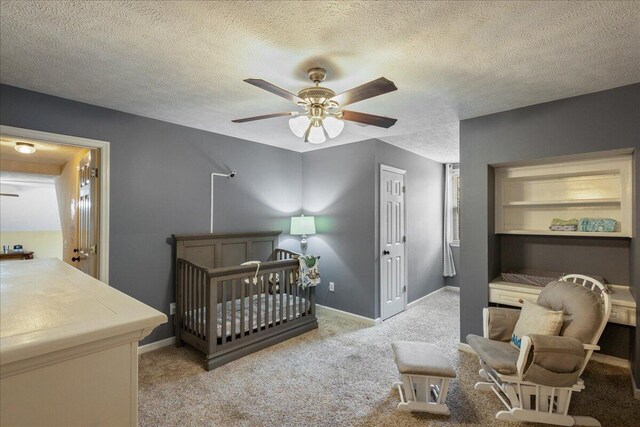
[(233, 310)]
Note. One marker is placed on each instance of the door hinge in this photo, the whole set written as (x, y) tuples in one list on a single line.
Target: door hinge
[(94, 173), (404, 188), (93, 249), (404, 239), (404, 289)]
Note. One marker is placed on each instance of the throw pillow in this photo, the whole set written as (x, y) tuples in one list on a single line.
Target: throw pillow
[(535, 319)]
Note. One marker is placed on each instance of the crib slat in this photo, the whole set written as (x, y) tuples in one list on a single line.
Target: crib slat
[(242, 307), (266, 302), (224, 311), (300, 296), (283, 281), (274, 295), (196, 283), (189, 274), (203, 320), (234, 312), (306, 300), (200, 299), (251, 285), (295, 300), (287, 290), (259, 302)]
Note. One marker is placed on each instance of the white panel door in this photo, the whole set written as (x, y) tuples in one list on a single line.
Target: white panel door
[(392, 241)]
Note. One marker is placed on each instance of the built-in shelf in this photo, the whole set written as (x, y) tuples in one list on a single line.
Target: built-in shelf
[(564, 233), (574, 202), (528, 198)]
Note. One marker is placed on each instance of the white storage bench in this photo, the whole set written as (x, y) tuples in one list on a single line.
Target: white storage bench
[(424, 377)]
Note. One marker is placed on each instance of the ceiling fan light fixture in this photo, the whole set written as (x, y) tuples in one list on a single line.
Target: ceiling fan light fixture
[(316, 135), (333, 126), (25, 148), (299, 125)]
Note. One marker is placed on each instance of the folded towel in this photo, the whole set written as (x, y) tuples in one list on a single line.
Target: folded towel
[(597, 224), (558, 221), (563, 228)]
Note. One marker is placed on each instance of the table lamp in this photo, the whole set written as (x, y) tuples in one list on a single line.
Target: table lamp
[(303, 226)]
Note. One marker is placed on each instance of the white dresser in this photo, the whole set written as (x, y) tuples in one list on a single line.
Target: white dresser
[(68, 347)]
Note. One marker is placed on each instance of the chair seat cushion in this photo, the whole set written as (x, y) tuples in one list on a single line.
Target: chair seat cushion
[(420, 358), (499, 355)]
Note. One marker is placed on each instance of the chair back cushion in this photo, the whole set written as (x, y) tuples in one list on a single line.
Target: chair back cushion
[(535, 319), (583, 309)]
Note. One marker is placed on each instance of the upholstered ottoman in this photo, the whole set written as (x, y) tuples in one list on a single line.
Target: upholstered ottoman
[(424, 377)]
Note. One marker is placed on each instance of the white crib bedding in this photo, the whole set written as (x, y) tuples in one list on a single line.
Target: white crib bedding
[(194, 316)]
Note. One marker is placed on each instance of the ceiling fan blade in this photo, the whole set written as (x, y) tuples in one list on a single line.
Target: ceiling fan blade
[(266, 116), (368, 119), (368, 90), (263, 84)]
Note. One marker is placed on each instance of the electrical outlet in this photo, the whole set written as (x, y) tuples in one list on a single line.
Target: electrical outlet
[(332, 287), (172, 308)]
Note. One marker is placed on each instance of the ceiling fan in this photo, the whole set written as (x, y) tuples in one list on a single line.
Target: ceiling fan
[(323, 111)]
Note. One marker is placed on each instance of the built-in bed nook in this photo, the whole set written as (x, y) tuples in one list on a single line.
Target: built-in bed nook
[(238, 293), (564, 216)]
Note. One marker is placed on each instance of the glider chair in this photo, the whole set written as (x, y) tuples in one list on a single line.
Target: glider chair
[(535, 383)]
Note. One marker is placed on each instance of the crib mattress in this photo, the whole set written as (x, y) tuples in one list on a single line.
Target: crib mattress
[(194, 316)]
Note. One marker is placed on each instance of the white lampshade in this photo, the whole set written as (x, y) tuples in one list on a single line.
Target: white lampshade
[(299, 125), (303, 225), (316, 135), (333, 126)]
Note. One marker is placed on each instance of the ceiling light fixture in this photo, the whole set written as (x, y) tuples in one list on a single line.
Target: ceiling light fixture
[(322, 116), (25, 148)]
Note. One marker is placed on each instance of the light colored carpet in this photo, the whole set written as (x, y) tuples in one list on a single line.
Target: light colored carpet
[(341, 375)]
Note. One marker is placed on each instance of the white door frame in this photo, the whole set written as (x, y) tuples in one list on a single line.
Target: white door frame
[(105, 164), (404, 255)]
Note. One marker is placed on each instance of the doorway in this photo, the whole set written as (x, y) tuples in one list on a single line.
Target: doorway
[(393, 287), (78, 168)]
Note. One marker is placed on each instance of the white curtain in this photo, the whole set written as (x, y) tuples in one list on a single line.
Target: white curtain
[(449, 269)]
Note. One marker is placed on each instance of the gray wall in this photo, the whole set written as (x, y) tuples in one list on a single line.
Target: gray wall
[(338, 189), (425, 216), (341, 188), (160, 185), (596, 122)]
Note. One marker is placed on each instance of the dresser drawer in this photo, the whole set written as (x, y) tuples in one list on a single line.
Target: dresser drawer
[(622, 315), (515, 299)]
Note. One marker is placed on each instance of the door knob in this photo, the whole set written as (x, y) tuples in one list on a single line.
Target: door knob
[(385, 252), (75, 250), (75, 259)]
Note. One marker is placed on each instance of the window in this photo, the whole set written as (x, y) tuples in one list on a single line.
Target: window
[(455, 207)]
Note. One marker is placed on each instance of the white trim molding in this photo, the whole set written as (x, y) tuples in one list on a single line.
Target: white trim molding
[(105, 168), (344, 314), (142, 349), (423, 298), (611, 360), (636, 390)]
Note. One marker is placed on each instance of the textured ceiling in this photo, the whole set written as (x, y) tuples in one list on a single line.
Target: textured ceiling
[(184, 62)]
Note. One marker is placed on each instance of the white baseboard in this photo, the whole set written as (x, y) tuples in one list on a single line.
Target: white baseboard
[(421, 299), (156, 345), (610, 360), (347, 315), (636, 390), (437, 291)]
